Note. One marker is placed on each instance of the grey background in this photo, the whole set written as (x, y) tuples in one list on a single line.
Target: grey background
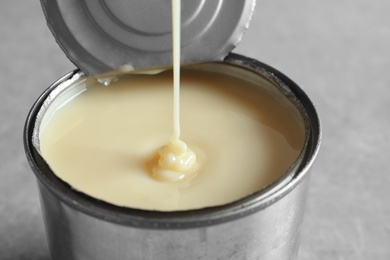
[(337, 50)]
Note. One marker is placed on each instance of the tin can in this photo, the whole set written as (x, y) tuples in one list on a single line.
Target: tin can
[(264, 225)]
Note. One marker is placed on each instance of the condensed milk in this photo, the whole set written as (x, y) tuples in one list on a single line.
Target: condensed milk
[(103, 140), (176, 159)]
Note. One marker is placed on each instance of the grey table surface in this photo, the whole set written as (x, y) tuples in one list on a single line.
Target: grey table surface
[(338, 51)]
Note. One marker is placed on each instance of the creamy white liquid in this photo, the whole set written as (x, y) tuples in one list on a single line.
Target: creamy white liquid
[(176, 158), (104, 141), (176, 32)]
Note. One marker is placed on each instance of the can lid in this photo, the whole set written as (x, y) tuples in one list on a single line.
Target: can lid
[(101, 36)]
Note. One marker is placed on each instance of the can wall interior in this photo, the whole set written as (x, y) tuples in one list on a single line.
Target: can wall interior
[(234, 64)]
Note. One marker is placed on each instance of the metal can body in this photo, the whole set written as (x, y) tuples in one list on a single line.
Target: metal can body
[(271, 233), (263, 226)]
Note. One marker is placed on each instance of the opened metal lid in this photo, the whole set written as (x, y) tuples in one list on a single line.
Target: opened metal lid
[(100, 36)]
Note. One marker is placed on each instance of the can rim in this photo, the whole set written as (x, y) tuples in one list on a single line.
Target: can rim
[(186, 218)]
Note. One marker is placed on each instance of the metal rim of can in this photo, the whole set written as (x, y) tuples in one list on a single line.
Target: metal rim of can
[(188, 218)]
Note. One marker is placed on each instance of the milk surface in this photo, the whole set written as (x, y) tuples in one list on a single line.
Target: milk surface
[(104, 140)]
